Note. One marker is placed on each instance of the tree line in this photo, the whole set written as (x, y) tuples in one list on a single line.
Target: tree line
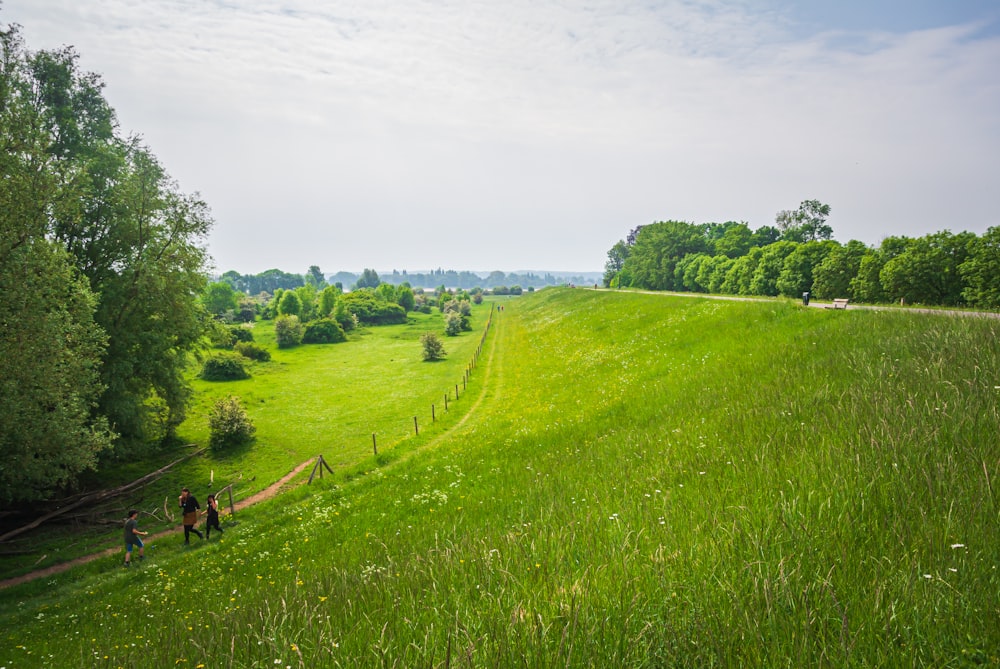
[(102, 269), (798, 255), (272, 279)]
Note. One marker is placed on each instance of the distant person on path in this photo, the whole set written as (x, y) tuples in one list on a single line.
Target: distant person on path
[(132, 533), (190, 505), (213, 517)]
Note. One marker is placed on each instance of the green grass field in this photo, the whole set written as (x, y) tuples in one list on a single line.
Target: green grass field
[(633, 480)]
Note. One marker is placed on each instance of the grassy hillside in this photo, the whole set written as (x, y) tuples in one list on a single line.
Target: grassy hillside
[(642, 481)]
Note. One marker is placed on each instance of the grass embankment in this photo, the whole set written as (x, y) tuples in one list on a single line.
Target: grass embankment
[(647, 481)]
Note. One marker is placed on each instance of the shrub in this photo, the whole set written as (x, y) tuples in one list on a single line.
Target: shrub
[(240, 333), (433, 348), (224, 367), (370, 309), (252, 351), (229, 426), (452, 324), (324, 331), (288, 331), (219, 334)]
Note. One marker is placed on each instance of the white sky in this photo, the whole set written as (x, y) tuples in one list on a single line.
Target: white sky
[(534, 134)]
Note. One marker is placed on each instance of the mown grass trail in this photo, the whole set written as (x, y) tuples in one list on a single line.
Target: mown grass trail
[(648, 481)]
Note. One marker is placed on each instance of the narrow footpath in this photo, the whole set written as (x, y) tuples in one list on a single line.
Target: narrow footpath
[(265, 494)]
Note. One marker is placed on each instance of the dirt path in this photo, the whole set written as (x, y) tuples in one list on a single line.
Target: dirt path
[(267, 493)]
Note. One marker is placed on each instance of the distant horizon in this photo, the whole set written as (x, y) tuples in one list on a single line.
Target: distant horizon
[(381, 273)]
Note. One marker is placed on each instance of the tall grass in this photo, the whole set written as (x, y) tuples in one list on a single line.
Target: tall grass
[(646, 481)]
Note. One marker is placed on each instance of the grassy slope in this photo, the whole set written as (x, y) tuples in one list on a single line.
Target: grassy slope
[(646, 481)]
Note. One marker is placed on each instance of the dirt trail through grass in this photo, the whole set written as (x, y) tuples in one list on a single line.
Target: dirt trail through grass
[(267, 493)]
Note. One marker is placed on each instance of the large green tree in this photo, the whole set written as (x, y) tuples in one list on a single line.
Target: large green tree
[(136, 239), (50, 347), (805, 224), (981, 271), (927, 271), (658, 248), (832, 278)]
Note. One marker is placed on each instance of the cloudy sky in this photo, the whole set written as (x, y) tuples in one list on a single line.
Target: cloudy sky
[(534, 134)]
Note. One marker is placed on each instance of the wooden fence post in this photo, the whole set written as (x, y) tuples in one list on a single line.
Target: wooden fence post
[(374, 445), (446, 401), (320, 464), (416, 430), (433, 417)]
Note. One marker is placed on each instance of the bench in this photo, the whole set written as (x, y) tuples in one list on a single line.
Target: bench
[(839, 303)]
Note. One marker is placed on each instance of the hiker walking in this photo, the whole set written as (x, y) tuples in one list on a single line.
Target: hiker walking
[(212, 519), (132, 534), (190, 505)]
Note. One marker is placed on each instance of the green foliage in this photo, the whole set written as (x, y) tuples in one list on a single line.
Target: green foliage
[(406, 298), (324, 331), (224, 367), (369, 279), (288, 331), (328, 301), (252, 351), (797, 272), (806, 224), (432, 346), (927, 271), (315, 278), (981, 271), (138, 241), (616, 261), (768, 269), (229, 425), (289, 304), (452, 323), (220, 298), (240, 333), (832, 278), (50, 350), (658, 248), (372, 310)]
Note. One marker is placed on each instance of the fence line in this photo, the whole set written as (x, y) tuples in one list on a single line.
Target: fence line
[(466, 376)]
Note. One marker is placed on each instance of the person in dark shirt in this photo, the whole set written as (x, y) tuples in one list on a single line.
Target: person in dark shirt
[(132, 534), (190, 506), (211, 516)]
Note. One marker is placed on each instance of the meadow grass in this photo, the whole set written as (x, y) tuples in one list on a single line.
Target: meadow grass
[(643, 481), (311, 400)]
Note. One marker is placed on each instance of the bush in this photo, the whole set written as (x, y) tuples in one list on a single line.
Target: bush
[(224, 367), (370, 309), (240, 333), (252, 351), (433, 348), (229, 426), (288, 331), (324, 331), (452, 324)]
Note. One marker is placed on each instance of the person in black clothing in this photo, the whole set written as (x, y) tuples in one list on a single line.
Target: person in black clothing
[(190, 505), (212, 519)]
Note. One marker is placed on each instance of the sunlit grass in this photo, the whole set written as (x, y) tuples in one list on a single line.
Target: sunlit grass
[(646, 481)]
